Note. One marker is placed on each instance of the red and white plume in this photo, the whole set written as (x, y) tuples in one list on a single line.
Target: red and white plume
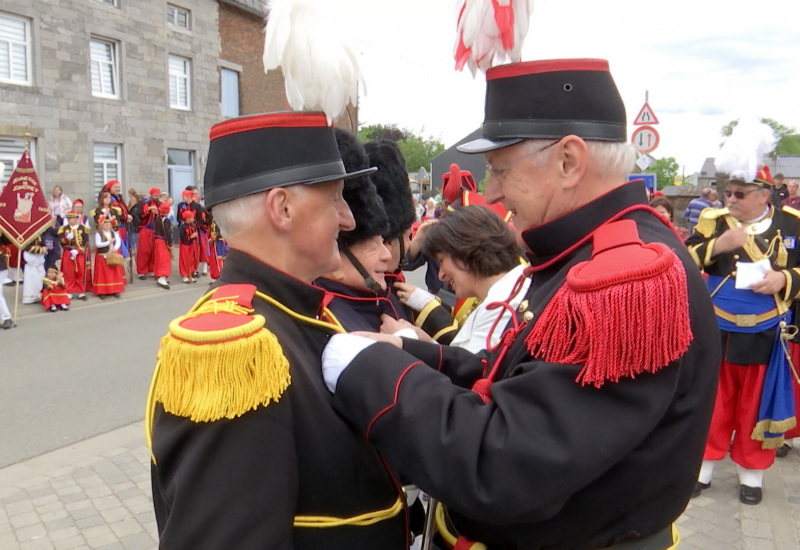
[(743, 152), (319, 69), (490, 32)]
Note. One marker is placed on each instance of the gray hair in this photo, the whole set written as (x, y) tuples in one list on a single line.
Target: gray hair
[(233, 217), (616, 159)]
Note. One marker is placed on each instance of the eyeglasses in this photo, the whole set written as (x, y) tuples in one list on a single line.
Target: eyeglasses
[(496, 171), (739, 194)]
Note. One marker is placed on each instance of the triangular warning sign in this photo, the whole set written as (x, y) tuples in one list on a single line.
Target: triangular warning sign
[(646, 116)]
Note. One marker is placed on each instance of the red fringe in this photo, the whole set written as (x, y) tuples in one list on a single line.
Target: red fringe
[(616, 331)]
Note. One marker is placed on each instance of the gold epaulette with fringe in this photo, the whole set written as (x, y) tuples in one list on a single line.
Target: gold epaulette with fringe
[(792, 211), (218, 361), (707, 222)]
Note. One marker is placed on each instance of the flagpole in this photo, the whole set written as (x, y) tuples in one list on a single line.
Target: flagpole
[(16, 291)]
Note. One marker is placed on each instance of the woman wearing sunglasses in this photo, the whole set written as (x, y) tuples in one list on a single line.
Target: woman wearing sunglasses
[(749, 252)]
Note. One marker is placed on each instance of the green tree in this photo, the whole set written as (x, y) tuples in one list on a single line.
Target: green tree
[(788, 138), (417, 150), (665, 170)]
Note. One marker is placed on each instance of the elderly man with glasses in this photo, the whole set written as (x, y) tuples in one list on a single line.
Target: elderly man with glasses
[(749, 252), (584, 427)]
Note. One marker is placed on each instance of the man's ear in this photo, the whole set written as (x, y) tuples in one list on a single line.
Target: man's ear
[(279, 208), (573, 159)]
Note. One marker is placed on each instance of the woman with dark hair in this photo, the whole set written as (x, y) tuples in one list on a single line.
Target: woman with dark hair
[(107, 210), (663, 206), (478, 257)]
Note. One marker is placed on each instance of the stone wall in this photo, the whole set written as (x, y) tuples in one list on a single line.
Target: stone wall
[(66, 120)]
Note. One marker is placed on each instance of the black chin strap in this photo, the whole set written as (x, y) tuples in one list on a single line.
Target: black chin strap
[(368, 280)]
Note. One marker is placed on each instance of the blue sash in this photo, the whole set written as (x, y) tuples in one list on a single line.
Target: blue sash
[(741, 302), (776, 414)]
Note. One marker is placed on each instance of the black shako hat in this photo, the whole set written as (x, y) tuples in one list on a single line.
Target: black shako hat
[(391, 182), (256, 153), (359, 193), (550, 99)]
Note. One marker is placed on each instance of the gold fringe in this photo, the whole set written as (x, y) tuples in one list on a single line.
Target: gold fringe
[(207, 376), (775, 427), (782, 256)]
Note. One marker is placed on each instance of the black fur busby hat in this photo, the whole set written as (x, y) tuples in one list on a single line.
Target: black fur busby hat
[(391, 181), (256, 153), (550, 99), (359, 192)]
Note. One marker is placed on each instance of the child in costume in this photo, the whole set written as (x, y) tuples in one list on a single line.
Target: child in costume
[(187, 258), (54, 291)]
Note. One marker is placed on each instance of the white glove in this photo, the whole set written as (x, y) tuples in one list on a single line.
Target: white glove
[(337, 355), (407, 333), (419, 299), (73, 253), (70, 235)]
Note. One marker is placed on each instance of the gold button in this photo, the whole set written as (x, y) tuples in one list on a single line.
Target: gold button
[(523, 305), (528, 315), (735, 256), (733, 273)]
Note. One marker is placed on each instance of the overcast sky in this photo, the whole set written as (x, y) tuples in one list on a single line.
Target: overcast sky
[(703, 62)]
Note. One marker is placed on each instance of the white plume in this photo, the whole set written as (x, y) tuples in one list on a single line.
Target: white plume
[(743, 152), (489, 33), (320, 70)]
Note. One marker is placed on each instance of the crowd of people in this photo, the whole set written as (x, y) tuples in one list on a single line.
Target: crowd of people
[(538, 412), (96, 253)]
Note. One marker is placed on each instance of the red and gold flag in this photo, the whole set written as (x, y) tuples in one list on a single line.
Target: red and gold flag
[(24, 210)]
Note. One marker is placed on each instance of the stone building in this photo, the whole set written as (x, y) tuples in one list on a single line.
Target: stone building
[(127, 89)]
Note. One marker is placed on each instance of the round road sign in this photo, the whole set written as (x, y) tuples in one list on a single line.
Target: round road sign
[(645, 139)]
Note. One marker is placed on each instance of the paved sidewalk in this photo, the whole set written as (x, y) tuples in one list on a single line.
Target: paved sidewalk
[(96, 495)]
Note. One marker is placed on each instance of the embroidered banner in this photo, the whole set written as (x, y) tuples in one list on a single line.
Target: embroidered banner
[(24, 210)]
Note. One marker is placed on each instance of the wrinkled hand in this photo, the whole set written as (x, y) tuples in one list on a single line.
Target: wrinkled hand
[(731, 239), (773, 282), (390, 325)]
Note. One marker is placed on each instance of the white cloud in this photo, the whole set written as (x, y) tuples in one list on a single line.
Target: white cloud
[(703, 63)]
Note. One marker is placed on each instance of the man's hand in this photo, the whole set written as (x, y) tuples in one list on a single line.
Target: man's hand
[(730, 240), (390, 325), (772, 283)]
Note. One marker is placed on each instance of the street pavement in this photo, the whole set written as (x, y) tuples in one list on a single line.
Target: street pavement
[(95, 494)]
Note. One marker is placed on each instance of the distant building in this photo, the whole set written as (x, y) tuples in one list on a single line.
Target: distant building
[(127, 90), (788, 165)]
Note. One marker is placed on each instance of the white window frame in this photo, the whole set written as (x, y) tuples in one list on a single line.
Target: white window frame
[(114, 3), (12, 50), (11, 148), (174, 12), (180, 82), (229, 105), (109, 165), (98, 65)]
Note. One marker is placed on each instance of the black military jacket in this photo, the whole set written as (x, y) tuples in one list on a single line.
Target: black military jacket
[(750, 348), (547, 463), (239, 483), (361, 309)]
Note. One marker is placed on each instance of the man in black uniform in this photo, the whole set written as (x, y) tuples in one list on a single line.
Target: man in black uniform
[(585, 428), (247, 451)]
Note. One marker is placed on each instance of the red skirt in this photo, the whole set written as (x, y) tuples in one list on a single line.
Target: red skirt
[(56, 297), (107, 278), (202, 246), (74, 272), (162, 261), (187, 259), (144, 252)]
